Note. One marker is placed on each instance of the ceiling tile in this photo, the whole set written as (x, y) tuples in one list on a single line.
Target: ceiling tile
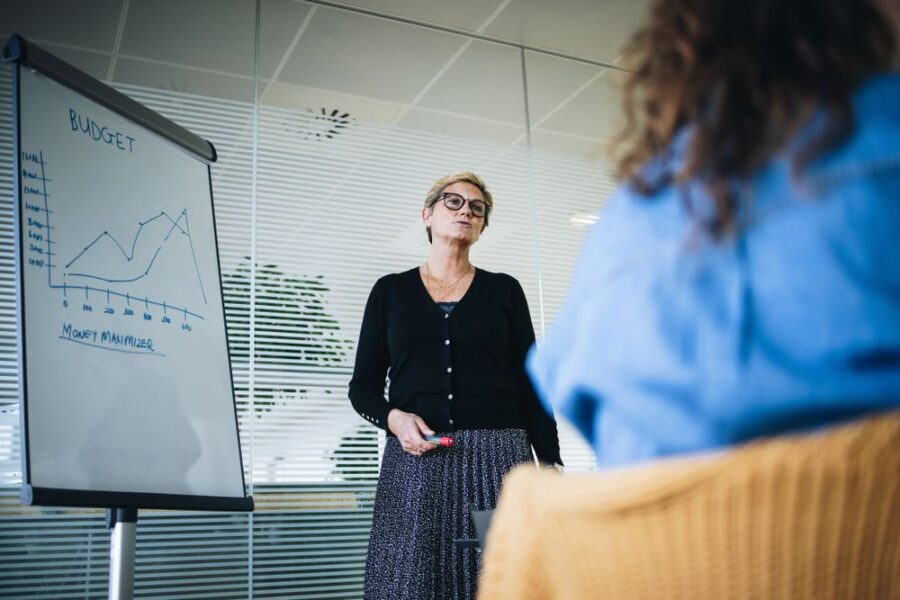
[(95, 64), (586, 28), (367, 56), (442, 124), (461, 14), (485, 81), (188, 81), (594, 113), (280, 21), (553, 83), (87, 24), (211, 34)]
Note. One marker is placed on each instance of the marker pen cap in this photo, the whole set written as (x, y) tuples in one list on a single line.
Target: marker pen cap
[(444, 440)]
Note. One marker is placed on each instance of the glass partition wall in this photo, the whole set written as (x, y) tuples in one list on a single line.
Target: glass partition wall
[(330, 125)]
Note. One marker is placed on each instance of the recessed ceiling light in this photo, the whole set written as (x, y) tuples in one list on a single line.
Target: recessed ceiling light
[(583, 219)]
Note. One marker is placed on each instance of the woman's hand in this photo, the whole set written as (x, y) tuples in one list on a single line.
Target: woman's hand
[(409, 429)]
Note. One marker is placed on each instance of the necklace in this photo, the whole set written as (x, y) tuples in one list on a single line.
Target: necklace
[(437, 282)]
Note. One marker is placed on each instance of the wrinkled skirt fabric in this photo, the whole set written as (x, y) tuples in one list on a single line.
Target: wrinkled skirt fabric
[(423, 503)]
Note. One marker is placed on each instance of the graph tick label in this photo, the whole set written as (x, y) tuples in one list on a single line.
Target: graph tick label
[(35, 205)]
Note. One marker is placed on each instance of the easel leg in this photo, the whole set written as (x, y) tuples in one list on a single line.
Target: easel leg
[(123, 522)]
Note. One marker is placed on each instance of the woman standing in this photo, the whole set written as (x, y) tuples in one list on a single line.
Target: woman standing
[(452, 339)]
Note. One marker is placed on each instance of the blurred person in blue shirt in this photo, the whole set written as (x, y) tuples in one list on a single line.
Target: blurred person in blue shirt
[(745, 278)]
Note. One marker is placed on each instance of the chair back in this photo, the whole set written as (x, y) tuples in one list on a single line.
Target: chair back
[(813, 516)]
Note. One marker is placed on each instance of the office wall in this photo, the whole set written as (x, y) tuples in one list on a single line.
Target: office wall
[(330, 126)]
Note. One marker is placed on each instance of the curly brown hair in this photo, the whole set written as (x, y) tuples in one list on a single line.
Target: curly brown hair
[(743, 76)]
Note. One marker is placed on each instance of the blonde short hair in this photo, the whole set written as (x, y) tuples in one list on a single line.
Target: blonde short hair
[(438, 187)]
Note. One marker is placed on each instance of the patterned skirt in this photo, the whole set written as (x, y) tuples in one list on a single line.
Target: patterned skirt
[(424, 502)]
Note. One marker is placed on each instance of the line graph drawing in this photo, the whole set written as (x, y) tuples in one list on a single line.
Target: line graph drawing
[(129, 256), (39, 247)]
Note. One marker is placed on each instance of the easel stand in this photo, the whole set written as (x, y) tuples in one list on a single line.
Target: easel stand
[(123, 522)]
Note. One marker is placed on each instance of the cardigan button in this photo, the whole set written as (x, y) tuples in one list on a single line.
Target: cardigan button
[(449, 369), (447, 316), (446, 342), (449, 396)]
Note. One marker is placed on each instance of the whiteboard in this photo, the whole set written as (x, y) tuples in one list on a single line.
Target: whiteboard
[(127, 381)]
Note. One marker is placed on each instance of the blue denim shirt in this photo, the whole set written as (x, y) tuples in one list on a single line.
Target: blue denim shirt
[(671, 342)]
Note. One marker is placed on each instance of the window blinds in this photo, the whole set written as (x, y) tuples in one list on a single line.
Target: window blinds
[(331, 214)]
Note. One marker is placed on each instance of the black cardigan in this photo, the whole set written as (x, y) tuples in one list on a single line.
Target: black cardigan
[(459, 370)]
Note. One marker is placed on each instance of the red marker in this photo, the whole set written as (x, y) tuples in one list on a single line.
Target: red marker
[(444, 441)]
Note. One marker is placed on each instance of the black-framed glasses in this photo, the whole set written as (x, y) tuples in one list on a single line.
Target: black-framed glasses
[(453, 201)]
